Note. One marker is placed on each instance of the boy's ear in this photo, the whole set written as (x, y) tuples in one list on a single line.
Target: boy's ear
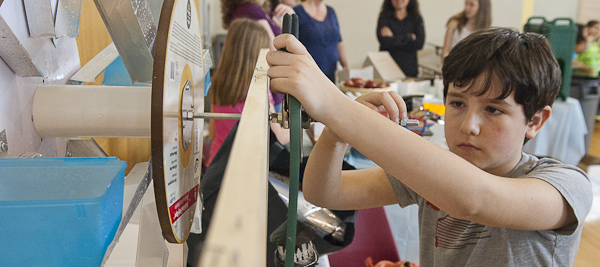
[(538, 120)]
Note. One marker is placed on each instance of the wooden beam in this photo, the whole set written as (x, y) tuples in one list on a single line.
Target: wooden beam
[(238, 232)]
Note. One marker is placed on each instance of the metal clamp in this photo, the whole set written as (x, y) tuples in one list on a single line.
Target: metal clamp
[(283, 118), (278, 118)]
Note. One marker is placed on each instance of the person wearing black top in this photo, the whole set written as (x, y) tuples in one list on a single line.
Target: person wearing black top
[(400, 31)]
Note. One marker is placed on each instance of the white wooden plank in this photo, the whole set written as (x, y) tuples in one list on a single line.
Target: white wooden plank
[(238, 231)]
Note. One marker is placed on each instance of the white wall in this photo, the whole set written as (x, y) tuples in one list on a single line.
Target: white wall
[(216, 26), (358, 19), (554, 9), (588, 10), (358, 22)]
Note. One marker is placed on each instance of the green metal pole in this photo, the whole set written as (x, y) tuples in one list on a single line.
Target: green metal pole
[(295, 158)]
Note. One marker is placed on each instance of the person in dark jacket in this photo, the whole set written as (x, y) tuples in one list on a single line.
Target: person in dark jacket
[(400, 31)]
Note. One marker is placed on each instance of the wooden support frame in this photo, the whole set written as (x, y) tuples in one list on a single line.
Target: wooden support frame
[(238, 232)]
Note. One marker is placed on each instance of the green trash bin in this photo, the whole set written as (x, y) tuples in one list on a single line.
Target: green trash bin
[(561, 34)]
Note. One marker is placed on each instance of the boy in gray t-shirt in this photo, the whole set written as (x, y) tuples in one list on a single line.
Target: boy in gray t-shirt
[(482, 203)]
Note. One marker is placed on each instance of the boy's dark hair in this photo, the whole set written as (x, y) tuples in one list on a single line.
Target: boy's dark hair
[(522, 62)]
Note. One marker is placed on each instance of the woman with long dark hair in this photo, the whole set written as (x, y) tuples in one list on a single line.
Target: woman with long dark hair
[(400, 31)]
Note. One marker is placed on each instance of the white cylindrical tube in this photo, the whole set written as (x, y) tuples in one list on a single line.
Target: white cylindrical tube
[(92, 111)]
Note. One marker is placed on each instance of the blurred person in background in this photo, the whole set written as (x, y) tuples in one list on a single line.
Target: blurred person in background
[(477, 15), (258, 10), (281, 7), (320, 34), (231, 80), (587, 60), (400, 31)]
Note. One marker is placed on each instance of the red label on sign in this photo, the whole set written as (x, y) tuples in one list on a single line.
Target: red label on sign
[(183, 204)]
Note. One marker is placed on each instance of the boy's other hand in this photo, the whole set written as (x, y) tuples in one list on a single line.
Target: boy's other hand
[(390, 101), (295, 72)]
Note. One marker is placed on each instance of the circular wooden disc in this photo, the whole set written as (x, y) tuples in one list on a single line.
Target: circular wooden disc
[(177, 90)]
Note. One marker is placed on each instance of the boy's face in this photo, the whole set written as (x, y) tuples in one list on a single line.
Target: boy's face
[(486, 131)]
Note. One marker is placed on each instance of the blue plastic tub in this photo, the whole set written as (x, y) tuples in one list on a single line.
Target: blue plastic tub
[(59, 211)]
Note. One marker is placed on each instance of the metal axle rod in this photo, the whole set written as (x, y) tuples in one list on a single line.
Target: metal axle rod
[(223, 116), (190, 115)]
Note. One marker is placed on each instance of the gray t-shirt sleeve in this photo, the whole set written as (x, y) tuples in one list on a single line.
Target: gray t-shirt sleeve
[(405, 195), (572, 183)]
